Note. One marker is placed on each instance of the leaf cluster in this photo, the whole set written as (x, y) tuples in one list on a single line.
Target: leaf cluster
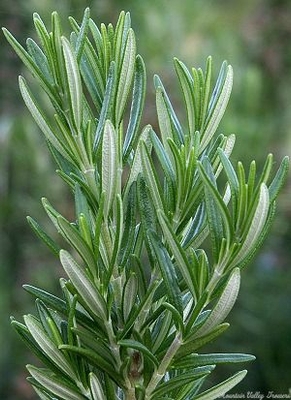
[(156, 248)]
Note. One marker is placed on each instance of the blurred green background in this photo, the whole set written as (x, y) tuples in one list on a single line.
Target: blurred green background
[(255, 37)]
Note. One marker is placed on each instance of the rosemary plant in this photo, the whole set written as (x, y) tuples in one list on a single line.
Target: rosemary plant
[(156, 248)]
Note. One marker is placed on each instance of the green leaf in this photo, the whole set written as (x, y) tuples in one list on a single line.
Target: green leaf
[(56, 52), (151, 178), (177, 316), (25, 335), (180, 380), (29, 62), (64, 136), (107, 103), (41, 120), (224, 304), (128, 241), (96, 387), (218, 103), (262, 236), (197, 360), (80, 44), (146, 210), (53, 301), (39, 59), (93, 339), (51, 212), (72, 320), (81, 203), (54, 384), (47, 319), (85, 230), (47, 345), (52, 245), (129, 295), (137, 104), (161, 329), (177, 158), (42, 33), (163, 157), (206, 91), (98, 42), (279, 179), (140, 314), (98, 226), (88, 292), (168, 272), (198, 90), (126, 76), (120, 36), (218, 216), (109, 166), (118, 217), (96, 360), (232, 179), (200, 264), (136, 167), (246, 195), (196, 311), (186, 83), (222, 388), (192, 345), (165, 123), (73, 237), (41, 394), (110, 387), (58, 304), (164, 107), (74, 83), (91, 192), (267, 169), (92, 74), (178, 253), (258, 222)]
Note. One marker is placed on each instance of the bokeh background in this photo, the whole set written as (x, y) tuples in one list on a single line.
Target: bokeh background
[(255, 37)]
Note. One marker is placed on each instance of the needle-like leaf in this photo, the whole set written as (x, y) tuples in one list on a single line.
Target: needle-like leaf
[(109, 165), (96, 387), (88, 292), (74, 83), (41, 120), (75, 239), (222, 388), (218, 103), (54, 384), (168, 272), (138, 97), (223, 306), (257, 224), (47, 345), (151, 178), (180, 257), (126, 76)]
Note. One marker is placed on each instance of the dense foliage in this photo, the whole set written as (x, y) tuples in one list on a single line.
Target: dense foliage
[(155, 248), (255, 37)]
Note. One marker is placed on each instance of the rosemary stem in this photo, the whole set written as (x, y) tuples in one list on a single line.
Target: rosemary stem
[(162, 369)]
